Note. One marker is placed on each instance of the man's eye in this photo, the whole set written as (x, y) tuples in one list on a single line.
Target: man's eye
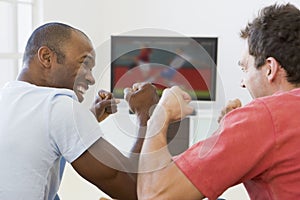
[(244, 69), (85, 64)]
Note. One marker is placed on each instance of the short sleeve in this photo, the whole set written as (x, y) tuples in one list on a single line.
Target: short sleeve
[(240, 150), (72, 127)]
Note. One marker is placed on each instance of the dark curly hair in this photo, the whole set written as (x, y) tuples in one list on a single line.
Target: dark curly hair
[(276, 33)]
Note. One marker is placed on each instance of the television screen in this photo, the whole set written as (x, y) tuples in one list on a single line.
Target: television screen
[(189, 62)]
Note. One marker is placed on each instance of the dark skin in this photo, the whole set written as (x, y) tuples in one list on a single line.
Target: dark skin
[(142, 99), (104, 105), (118, 178)]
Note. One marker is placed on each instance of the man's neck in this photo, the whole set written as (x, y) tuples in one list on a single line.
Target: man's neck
[(27, 75)]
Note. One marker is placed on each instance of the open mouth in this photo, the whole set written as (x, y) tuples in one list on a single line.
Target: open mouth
[(82, 90)]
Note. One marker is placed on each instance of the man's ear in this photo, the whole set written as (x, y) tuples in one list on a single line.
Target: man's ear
[(273, 67), (45, 56)]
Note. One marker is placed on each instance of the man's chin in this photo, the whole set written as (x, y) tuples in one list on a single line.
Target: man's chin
[(79, 97)]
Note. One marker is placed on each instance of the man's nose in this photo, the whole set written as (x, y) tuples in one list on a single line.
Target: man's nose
[(242, 84), (90, 78)]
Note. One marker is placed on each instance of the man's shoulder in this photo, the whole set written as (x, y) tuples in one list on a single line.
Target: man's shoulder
[(28, 88), (280, 103), (280, 97)]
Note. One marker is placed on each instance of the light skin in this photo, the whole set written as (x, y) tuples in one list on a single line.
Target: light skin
[(76, 74), (231, 105), (154, 182), (265, 81)]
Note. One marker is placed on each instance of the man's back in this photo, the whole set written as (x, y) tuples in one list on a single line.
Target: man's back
[(281, 176), (258, 145), (30, 147)]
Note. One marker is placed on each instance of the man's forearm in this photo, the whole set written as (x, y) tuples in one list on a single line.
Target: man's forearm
[(142, 122), (137, 147), (154, 157), (155, 153)]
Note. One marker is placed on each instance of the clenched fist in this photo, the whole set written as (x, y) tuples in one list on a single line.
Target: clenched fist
[(231, 105), (104, 105)]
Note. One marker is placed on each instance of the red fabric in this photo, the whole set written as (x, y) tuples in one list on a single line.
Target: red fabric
[(258, 145)]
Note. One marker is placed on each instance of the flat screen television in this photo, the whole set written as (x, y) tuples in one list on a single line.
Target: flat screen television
[(189, 62)]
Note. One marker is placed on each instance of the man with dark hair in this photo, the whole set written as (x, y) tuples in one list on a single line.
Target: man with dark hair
[(51, 36), (42, 120), (257, 144)]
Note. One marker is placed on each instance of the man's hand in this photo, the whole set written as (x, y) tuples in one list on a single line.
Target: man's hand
[(104, 105), (231, 105), (142, 98), (175, 103)]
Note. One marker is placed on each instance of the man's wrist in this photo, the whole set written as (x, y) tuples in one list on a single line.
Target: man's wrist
[(158, 121), (142, 119)]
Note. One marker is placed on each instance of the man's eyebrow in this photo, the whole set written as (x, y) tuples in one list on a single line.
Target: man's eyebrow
[(88, 56), (241, 63)]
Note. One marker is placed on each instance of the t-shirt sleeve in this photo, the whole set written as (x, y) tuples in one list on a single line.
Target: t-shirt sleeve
[(239, 150), (72, 127)]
